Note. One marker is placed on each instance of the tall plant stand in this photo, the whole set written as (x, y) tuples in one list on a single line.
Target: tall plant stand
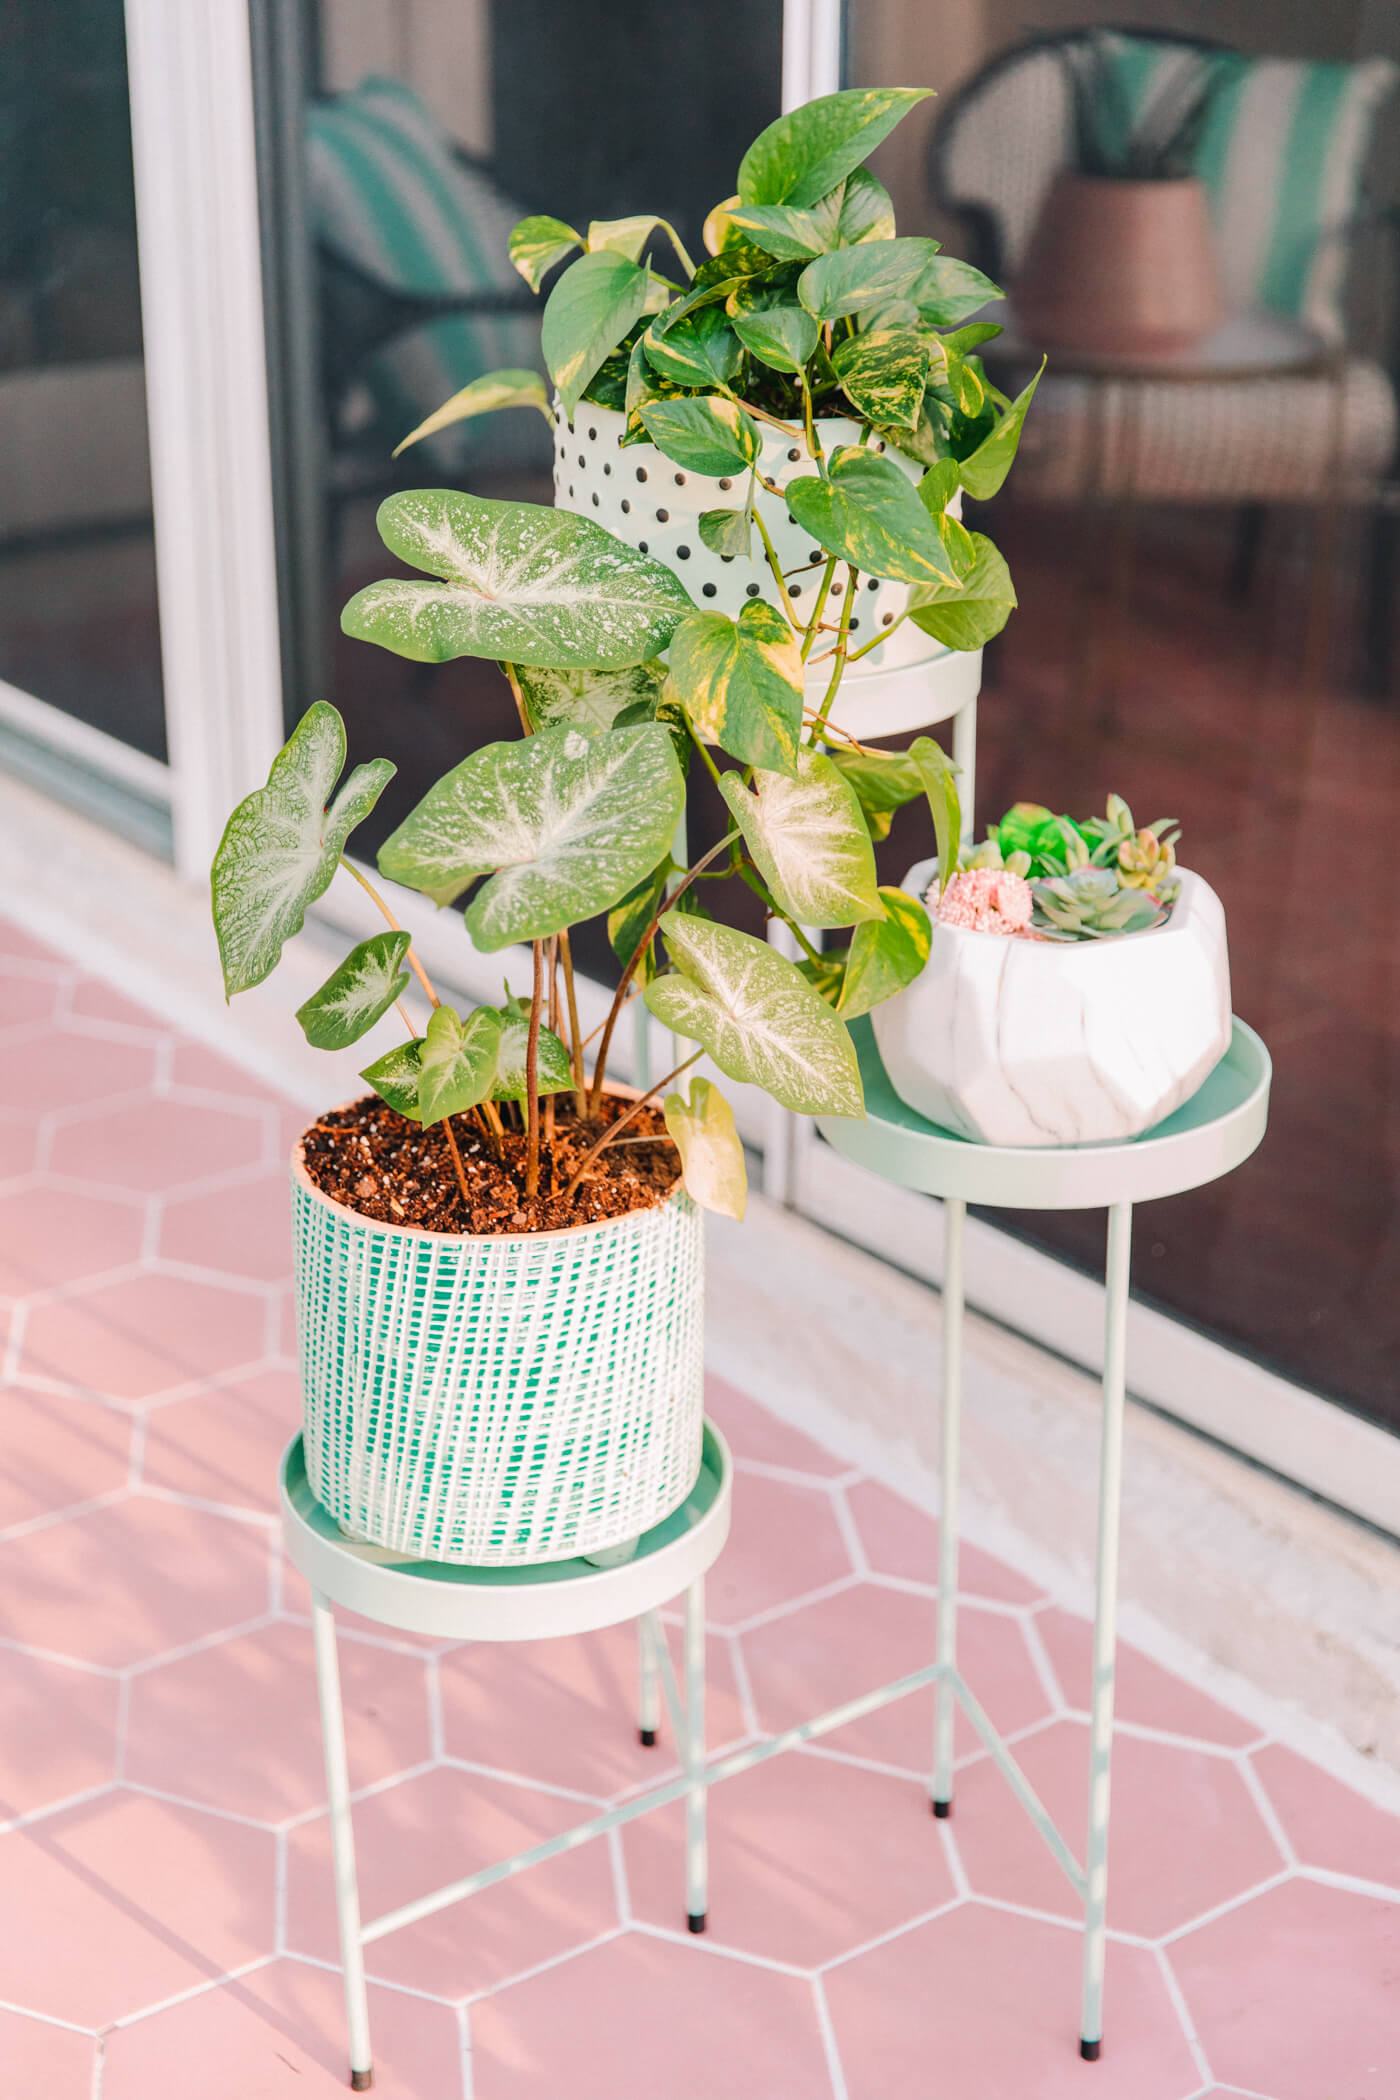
[(1211, 1134), (510, 1604)]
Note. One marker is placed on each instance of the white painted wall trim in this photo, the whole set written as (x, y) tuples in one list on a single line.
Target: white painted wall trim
[(811, 50), (93, 748), (206, 387)]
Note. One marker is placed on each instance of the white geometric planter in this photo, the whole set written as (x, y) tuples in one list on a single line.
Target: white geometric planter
[(504, 1400), (1014, 1042), (656, 506)]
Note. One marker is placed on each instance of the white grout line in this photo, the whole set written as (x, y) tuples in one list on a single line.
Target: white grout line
[(846, 1525), (1255, 1788), (895, 1932), (205, 1506), (773, 1612), (1183, 2014), (304, 1816), (553, 1961), (27, 2012), (793, 1476), (51, 1655), (1067, 1921), (1222, 1910), (715, 1950), (198, 1646), (617, 1859), (193, 1990), (525, 1782), (827, 2031), (99, 2067), (464, 2049), (270, 1824), (382, 1983), (1351, 1884), (27, 1526), (47, 1809), (437, 1741), (279, 1891), (743, 1685), (1040, 1660)]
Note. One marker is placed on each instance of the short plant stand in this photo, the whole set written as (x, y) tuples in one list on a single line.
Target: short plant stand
[(1208, 1136)]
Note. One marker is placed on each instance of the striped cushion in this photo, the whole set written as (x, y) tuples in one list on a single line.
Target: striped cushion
[(1281, 155), (388, 195)]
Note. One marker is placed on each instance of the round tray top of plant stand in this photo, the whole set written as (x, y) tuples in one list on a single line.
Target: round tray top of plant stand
[(934, 688), (1208, 1135), (507, 1604)]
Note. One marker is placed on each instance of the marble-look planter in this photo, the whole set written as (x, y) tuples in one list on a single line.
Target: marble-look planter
[(654, 505), (1013, 1042)]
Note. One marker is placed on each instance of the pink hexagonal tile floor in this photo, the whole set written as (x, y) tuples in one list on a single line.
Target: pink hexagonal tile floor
[(165, 1861)]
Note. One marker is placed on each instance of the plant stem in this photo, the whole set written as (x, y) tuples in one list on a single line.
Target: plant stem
[(413, 962), (776, 567), (456, 1162), (829, 698), (775, 911), (601, 1065), (532, 1076), (575, 1043), (762, 416), (610, 1134), (703, 748), (520, 707), (674, 238), (813, 445), (884, 635), (822, 588)]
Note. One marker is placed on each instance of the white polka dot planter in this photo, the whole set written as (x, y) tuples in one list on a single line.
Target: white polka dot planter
[(656, 506), (499, 1401), (1019, 1042)]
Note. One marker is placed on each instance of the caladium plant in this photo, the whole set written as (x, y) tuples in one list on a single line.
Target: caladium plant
[(808, 304)]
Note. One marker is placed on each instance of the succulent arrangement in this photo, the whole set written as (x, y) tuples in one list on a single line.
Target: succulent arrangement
[(1045, 877), (623, 688)]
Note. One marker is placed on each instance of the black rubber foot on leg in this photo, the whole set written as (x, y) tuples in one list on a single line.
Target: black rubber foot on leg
[(1090, 2051), (361, 2081), (648, 1737), (696, 1920), (942, 1809)]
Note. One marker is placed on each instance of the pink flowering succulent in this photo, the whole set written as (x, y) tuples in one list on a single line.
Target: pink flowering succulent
[(986, 900)]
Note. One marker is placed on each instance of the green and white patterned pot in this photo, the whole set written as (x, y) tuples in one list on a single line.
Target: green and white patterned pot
[(502, 1400)]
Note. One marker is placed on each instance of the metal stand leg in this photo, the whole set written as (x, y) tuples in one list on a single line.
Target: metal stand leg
[(965, 759), (945, 1699), (1120, 1235), (697, 1863), (649, 1687), (347, 1895)]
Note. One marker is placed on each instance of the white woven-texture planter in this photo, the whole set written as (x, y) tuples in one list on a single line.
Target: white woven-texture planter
[(1013, 1042), (498, 1401), (656, 506)]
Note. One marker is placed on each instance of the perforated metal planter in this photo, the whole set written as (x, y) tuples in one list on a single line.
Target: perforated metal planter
[(656, 506), (499, 1401)]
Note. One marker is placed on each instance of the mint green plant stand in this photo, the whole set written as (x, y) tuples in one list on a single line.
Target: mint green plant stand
[(1209, 1135)]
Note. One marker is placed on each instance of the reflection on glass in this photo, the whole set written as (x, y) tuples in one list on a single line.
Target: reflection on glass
[(78, 624), (1198, 533)]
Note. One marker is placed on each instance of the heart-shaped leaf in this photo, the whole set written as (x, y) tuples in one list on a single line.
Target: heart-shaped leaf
[(519, 581), (553, 1073), (968, 617), (694, 348), (864, 276), (778, 332), (757, 1017), (622, 236), (883, 781), (513, 389), (808, 151), (587, 314), (564, 824), (883, 374), (809, 841), (590, 700), (712, 1157), (984, 470), (281, 846), (728, 532), (858, 209), (395, 1078), (356, 995), (706, 435), (740, 682), (940, 784), (950, 290), (537, 244), (885, 954), (457, 1061), (867, 513)]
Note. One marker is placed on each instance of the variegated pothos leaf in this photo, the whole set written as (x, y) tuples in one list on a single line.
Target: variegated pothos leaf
[(809, 841), (757, 1017), (281, 846), (357, 994), (518, 581), (740, 682)]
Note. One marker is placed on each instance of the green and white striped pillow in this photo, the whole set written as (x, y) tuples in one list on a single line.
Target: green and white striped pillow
[(1282, 155), (388, 195)]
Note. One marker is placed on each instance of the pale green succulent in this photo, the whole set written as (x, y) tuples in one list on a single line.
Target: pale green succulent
[(989, 855), (1089, 903), (1144, 857)]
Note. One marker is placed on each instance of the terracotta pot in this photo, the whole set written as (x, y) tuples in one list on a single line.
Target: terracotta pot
[(1127, 268)]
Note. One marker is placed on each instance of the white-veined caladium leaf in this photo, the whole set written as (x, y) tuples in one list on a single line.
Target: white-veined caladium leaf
[(563, 824), (867, 513), (809, 841), (885, 954), (740, 682), (757, 1017), (493, 390), (282, 844), (587, 314), (358, 994), (395, 1078), (590, 700), (457, 1061), (712, 1156), (518, 581), (807, 152), (537, 244), (553, 1072), (981, 606)]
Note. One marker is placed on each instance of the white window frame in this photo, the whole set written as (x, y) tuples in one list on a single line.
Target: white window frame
[(201, 267)]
